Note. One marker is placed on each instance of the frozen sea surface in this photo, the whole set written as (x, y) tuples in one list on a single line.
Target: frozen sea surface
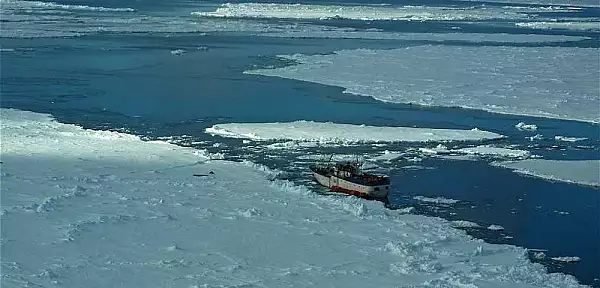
[(344, 133), (109, 209), (508, 80), (585, 172), (367, 12), (157, 70)]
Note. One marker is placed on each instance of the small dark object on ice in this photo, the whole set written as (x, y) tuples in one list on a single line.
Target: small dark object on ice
[(204, 175)]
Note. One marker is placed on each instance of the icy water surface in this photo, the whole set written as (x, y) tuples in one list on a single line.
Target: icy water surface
[(172, 76)]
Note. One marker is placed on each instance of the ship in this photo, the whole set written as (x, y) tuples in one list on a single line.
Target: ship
[(346, 177)]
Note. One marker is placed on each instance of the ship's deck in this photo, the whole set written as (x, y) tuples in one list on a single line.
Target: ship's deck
[(365, 179)]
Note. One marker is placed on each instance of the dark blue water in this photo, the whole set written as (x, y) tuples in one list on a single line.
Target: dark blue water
[(133, 83)]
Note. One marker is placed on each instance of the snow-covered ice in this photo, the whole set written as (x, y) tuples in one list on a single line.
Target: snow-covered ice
[(535, 137), (495, 227), (363, 12), (177, 52), (34, 19), (341, 133), (481, 150), (586, 172), (291, 145), (526, 127), (439, 149), (85, 208), (569, 139), (53, 5), (318, 31), (561, 212), (565, 3), (436, 200), (325, 157), (566, 259), (570, 25), (387, 156), (487, 150), (539, 255), (552, 82), (467, 157), (464, 224)]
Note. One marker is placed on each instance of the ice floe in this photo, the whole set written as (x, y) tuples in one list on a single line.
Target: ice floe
[(509, 80), (143, 220), (583, 26), (439, 149), (318, 31), (526, 127), (361, 12), (495, 227), (436, 200), (177, 52), (37, 19), (340, 133), (406, 210), (387, 156), (487, 150), (417, 167), (564, 3), (569, 139), (291, 145), (53, 5), (586, 172), (464, 224), (459, 157), (34, 19), (535, 137), (566, 259), (481, 150)]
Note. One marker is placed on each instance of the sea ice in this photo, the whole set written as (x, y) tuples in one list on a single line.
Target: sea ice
[(387, 156), (535, 137), (467, 157), (569, 139), (526, 127), (52, 5), (442, 151), (362, 12), (464, 224), (34, 19), (177, 52), (509, 80), (437, 200), (578, 25), (439, 149), (487, 150), (291, 145), (119, 211), (586, 172), (343, 133), (495, 227), (566, 259), (328, 32), (563, 3)]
